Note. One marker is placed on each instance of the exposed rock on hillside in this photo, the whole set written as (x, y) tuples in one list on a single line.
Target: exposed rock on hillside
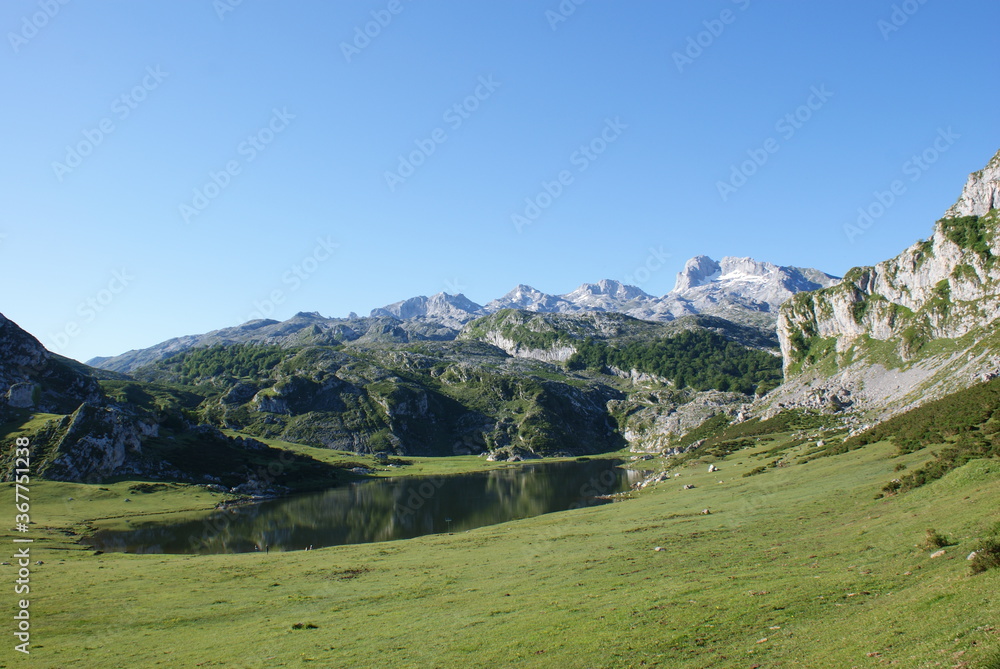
[(33, 378), (909, 329), (981, 193), (452, 311), (655, 420), (98, 442)]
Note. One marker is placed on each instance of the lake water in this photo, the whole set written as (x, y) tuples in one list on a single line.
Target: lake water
[(379, 510)]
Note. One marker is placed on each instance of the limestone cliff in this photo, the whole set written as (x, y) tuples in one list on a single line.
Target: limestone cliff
[(909, 329), (981, 193)]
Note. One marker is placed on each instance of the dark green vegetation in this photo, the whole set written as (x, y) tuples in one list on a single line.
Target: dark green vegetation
[(935, 540), (987, 555), (965, 426), (233, 362), (720, 437), (702, 360), (969, 232)]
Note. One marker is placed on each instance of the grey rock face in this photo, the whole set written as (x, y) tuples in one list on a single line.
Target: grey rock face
[(530, 299), (712, 287), (606, 295), (944, 288), (450, 310), (95, 445), (697, 272), (21, 395), (981, 193), (656, 419)]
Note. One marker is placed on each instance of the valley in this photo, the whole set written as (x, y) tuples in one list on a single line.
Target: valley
[(768, 466)]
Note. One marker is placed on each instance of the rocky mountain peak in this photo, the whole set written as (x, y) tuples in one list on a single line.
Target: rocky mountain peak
[(981, 193), (605, 288), (527, 298), (716, 287), (697, 272), (737, 269), (452, 310)]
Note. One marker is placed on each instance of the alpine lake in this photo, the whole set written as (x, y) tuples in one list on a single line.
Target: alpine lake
[(380, 509)]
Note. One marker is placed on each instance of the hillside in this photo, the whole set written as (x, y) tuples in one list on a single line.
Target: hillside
[(910, 329), (509, 386), (92, 425)]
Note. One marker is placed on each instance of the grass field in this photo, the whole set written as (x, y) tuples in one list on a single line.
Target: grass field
[(799, 566)]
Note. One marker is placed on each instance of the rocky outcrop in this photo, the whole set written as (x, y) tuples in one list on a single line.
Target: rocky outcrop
[(909, 329), (556, 353), (21, 395), (981, 193), (99, 442), (655, 420), (640, 378), (268, 402), (33, 378)]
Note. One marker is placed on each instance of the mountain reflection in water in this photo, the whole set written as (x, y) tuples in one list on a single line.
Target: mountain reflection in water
[(379, 510)]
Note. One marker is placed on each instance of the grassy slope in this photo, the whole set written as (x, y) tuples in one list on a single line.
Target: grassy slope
[(803, 556)]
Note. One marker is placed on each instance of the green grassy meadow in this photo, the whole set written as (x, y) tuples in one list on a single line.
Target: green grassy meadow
[(799, 566)]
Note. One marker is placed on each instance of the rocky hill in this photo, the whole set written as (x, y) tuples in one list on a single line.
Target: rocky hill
[(299, 330), (909, 329), (33, 378), (507, 386), (78, 431)]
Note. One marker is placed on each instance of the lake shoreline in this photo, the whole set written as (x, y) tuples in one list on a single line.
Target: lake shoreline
[(373, 510)]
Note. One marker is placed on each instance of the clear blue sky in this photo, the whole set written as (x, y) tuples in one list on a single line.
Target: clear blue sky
[(160, 95)]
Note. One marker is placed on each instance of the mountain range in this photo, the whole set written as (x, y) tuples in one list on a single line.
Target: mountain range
[(530, 374), (742, 290)]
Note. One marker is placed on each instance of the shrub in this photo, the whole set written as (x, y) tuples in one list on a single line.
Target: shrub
[(935, 540), (966, 423), (987, 555), (969, 233)]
